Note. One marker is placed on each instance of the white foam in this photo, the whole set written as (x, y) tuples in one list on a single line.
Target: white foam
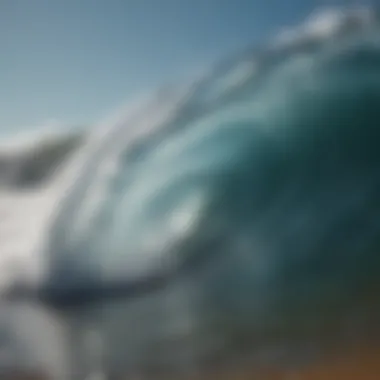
[(323, 23)]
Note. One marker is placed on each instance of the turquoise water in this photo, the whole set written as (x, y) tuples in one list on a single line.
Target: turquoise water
[(257, 197)]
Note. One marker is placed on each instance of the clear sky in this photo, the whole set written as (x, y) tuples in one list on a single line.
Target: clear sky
[(75, 60)]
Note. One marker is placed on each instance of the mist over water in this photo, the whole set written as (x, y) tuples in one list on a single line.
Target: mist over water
[(272, 156)]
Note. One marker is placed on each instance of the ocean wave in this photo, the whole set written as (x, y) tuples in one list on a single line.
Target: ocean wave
[(273, 130), (185, 133)]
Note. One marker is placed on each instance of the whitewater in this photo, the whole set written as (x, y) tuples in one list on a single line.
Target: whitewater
[(66, 202)]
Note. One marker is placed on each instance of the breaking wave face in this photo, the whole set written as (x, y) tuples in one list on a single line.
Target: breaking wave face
[(266, 175), (274, 177)]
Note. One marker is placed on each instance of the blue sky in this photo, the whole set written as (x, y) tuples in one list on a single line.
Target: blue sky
[(75, 60)]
